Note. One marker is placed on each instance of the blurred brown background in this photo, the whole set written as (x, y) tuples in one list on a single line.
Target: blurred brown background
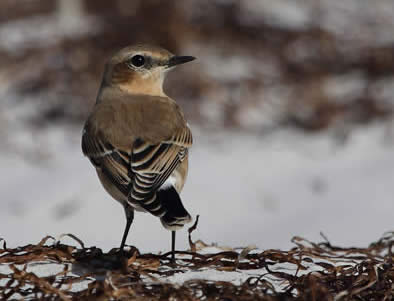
[(261, 63)]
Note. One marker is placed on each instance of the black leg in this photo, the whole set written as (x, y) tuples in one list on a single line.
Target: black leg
[(173, 246), (129, 220)]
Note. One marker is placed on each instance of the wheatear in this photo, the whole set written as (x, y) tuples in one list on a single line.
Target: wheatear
[(137, 137)]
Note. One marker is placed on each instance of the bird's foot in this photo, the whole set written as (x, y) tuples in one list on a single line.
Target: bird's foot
[(172, 262), (125, 252)]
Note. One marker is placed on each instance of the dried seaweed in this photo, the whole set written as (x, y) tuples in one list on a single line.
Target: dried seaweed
[(309, 271)]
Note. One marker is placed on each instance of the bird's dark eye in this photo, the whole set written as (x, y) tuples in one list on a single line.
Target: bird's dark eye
[(138, 60)]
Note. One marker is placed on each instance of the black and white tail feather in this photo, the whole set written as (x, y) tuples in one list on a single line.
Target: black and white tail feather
[(175, 216)]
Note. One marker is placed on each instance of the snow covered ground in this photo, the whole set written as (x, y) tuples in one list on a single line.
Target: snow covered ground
[(248, 190)]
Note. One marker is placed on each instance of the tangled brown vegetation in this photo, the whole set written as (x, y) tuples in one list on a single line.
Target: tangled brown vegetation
[(322, 272)]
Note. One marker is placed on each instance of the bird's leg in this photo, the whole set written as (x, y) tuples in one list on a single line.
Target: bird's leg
[(129, 219), (173, 246)]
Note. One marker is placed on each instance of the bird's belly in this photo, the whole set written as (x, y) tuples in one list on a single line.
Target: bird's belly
[(110, 188)]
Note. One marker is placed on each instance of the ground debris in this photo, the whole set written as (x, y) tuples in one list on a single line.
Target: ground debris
[(309, 271)]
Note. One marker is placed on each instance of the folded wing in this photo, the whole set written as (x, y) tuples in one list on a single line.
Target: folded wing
[(152, 164), (140, 171)]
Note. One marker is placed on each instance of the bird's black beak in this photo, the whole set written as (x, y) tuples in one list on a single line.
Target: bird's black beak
[(177, 60)]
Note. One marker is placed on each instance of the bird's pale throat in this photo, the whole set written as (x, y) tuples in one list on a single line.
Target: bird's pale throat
[(147, 83)]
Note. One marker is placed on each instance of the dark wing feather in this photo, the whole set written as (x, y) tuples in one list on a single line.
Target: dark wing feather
[(152, 164), (114, 163), (140, 174)]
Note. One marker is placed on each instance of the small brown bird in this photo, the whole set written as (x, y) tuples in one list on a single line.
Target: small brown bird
[(137, 137)]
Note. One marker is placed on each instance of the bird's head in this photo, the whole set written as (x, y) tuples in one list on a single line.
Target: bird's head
[(141, 69)]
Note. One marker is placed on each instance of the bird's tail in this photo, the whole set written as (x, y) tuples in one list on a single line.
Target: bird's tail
[(176, 215)]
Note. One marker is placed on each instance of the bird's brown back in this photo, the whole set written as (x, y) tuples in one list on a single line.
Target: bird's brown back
[(120, 118)]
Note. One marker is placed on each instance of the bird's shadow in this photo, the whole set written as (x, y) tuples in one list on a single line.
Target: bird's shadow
[(94, 263)]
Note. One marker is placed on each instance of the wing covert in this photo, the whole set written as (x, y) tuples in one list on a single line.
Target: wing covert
[(114, 163), (152, 165)]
